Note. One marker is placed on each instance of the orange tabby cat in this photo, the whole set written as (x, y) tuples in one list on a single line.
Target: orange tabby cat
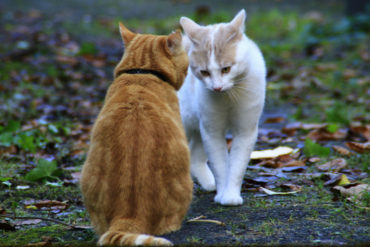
[(136, 178)]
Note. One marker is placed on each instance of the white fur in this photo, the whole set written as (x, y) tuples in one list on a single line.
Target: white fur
[(207, 116), (141, 239)]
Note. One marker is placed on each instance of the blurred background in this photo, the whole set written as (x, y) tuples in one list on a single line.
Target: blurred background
[(57, 60)]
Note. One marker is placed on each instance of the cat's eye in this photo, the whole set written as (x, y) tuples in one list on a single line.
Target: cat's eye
[(205, 73), (225, 70)]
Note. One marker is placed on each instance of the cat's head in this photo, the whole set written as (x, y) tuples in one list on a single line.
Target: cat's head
[(160, 53), (213, 52)]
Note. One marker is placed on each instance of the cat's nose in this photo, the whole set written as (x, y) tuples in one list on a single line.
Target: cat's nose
[(217, 89)]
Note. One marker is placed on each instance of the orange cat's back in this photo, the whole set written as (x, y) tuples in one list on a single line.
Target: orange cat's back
[(136, 178)]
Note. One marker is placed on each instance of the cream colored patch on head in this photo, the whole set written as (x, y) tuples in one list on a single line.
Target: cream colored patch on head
[(213, 51), (225, 44)]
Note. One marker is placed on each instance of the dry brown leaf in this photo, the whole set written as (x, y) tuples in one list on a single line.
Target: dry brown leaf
[(325, 135), (313, 159), (359, 147), (291, 128), (363, 130), (342, 150), (278, 119), (352, 190), (49, 205), (281, 161), (335, 165), (292, 187), (290, 163), (313, 126)]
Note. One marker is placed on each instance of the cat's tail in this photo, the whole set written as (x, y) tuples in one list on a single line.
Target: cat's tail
[(119, 238)]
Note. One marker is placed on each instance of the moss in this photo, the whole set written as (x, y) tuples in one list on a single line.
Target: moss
[(55, 233)]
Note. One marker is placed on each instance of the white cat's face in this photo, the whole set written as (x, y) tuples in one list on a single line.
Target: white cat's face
[(213, 52)]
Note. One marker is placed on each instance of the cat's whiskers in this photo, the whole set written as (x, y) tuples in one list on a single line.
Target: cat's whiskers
[(233, 96), (243, 89)]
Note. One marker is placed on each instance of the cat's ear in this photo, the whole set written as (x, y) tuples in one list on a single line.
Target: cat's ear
[(174, 42), (126, 34), (191, 29), (238, 22)]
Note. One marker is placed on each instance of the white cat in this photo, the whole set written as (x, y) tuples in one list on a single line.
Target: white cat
[(224, 91)]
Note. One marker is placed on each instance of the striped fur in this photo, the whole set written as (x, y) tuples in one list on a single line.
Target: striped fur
[(136, 178)]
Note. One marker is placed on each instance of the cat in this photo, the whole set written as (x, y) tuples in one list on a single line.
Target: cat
[(224, 91), (136, 180)]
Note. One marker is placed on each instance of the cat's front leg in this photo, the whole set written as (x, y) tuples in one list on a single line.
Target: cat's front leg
[(242, 146), (216, 150), (199, 168)]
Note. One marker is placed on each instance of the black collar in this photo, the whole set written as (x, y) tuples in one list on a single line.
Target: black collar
[(144, 71)]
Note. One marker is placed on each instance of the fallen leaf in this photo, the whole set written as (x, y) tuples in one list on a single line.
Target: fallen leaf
[(271, 153), (277, 119), (353, 191), (291, 128), (50, 205), (313, 159), (325, 135), (343, 180), (359, 147), (292, 187), (313, 126), (312, 148), (272, 193), (335, 165), (281, 161), (363, 130), (342, 150), (294, 169), (336, 180), (288, 161)]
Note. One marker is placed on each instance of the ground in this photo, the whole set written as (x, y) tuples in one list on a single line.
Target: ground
[(57, 60)]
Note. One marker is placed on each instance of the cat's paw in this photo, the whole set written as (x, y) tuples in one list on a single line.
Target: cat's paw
[(159, 242), (208, 185), (207, 180), (227, 199)]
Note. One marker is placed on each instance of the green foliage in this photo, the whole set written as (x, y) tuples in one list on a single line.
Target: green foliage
[(313, 149), (332, 128), (88, 48), (338, 113), (365, 199), (31, 139), (43, 171), (6, 133)]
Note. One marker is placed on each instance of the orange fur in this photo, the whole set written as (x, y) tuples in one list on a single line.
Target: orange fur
[(136, 178)]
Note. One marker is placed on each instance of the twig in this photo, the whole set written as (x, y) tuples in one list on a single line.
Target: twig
[(202, 219), (42, 218)]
